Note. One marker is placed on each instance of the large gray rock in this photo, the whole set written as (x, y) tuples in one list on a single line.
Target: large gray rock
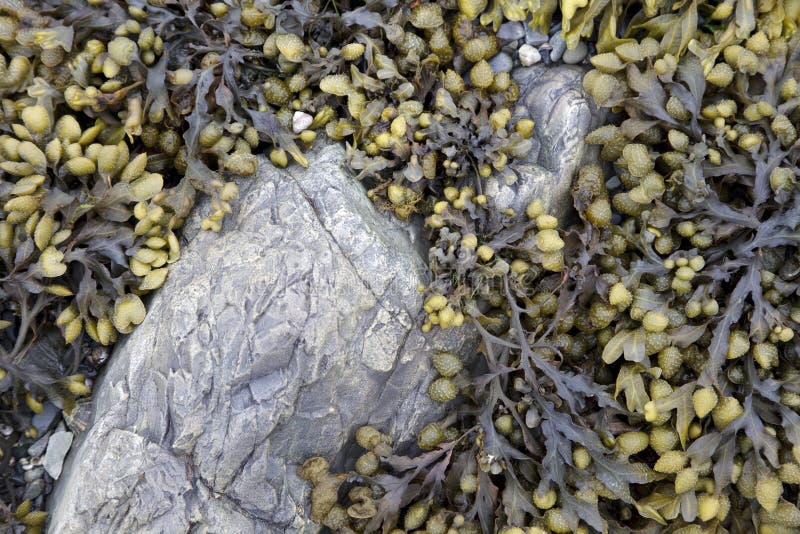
[(270, 343), (554, 98)]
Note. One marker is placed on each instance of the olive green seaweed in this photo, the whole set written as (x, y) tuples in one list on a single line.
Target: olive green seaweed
[(638, 368)]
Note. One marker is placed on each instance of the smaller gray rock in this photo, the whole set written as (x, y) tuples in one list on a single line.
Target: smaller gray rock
[(34, 489), (39, 446), (553, 97), (557, 47), (511, 31), (502, 62), (534, 37), (34, 474), (57, 449), (528, 55), (577, 54), (42, 421)]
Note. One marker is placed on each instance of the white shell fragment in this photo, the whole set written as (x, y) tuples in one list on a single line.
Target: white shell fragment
[(528, 55), (301, 121)]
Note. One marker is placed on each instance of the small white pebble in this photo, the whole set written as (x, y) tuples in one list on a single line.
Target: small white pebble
[(528, 55), (301, 121)]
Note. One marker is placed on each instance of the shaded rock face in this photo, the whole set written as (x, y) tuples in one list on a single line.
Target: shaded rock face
[(272, 341)]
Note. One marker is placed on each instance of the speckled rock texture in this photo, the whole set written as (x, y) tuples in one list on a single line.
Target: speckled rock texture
[(273, 340)]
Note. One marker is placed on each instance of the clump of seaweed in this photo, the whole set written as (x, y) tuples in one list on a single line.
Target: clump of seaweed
[(639, 367)]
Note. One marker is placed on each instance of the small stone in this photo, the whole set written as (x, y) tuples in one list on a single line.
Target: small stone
[(38, 447), (511, 31), (57, 449), (42, 421), (534, 37), (528, 55), (34, 489), (502, 62), (301, 121), (557, 47), (577, 54), (34, 474)]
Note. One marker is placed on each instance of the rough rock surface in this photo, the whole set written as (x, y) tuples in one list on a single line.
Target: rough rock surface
[(272, 341)]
